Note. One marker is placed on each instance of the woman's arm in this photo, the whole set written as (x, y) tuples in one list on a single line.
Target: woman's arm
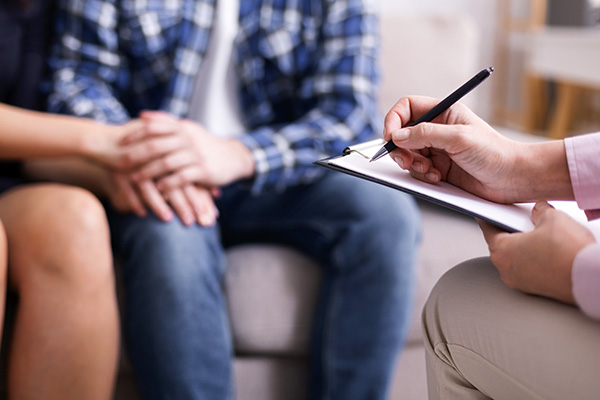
[(29, 134)]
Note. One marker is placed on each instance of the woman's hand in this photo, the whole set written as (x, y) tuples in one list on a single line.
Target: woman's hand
[(461, 148), (540, 261), (105, 142)]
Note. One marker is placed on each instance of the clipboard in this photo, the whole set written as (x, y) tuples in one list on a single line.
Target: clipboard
[(509, 217)]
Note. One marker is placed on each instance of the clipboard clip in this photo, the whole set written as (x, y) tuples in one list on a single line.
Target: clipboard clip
[(361, 147)]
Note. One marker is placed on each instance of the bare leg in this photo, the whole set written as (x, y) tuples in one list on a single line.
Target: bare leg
[(3, 258), (66, 336)]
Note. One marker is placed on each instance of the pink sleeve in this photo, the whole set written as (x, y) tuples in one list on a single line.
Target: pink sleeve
[(586, 280), (583, 157)]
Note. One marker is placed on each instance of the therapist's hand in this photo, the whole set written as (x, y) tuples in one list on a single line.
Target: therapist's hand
[(461, 148), (539, 262)]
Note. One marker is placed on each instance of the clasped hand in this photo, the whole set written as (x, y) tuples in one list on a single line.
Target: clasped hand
[(174, 166)]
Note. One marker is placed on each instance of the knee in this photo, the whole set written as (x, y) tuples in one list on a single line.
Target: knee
[(399, 220), (69, 230), (388, 228), (66, 216), (172, 255), (456, 291), (460, 284), (388, 217)]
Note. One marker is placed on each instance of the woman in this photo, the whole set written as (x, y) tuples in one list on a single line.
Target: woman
[(486, 336), (54, 239)]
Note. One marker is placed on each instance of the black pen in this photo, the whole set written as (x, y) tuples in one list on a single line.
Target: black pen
[(440, 107)]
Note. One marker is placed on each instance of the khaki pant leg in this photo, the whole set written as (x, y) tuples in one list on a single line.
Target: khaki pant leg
[(486, 340)]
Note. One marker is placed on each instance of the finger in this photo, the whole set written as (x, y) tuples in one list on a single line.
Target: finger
[(192, 174), (433, 175), (164, 165), (154, 199), (541, 212), (182, 206), (156, 115), (422, 168), (131, 196), (161, 127), (202, 203), (427, 134), (420, 164), (406, 110), (150, 149), (215, 192), (491, 233), (402, 157), (133, 130)]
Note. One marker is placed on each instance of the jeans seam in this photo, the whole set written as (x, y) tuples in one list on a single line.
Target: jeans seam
[(333, 303)]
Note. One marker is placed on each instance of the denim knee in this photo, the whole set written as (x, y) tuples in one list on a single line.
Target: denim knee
[(380, 220), (171, 255)]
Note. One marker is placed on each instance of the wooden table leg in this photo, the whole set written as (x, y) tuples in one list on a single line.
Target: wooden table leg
[(536, 104), (567, 95)]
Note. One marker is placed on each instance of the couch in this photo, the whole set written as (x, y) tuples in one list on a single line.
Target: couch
[(271, 318)]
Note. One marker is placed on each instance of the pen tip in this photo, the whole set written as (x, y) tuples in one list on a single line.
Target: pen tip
[(382, 152), (490, 69)]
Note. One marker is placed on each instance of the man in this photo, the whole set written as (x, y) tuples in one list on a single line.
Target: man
[(272, 86)]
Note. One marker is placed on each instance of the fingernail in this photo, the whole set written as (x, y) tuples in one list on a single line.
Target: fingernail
[(417, 166), (399, 161), (400, 134), (431, 177)]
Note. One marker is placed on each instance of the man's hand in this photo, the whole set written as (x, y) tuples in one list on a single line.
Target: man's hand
[(191, 203), (539, 262), (178, 152), (461, 148)]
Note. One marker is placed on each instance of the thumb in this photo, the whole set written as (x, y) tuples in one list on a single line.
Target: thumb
[(541, 212), (155, 115), (132, 131), (427, 134)]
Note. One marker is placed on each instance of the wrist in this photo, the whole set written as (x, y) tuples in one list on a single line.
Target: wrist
[(547, 171), (244, 160), (92, 140)]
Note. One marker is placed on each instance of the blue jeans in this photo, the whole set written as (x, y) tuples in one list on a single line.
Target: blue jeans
[(176, 328)]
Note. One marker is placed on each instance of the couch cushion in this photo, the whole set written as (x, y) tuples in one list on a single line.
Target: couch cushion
[(271, 378), (271, 292)]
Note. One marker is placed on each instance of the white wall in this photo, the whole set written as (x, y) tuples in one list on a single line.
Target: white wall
[(483, 15)]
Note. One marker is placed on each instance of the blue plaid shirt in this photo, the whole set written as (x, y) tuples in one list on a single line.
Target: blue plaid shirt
[(307, 70)]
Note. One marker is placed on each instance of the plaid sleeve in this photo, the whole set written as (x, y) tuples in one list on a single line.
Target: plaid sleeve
[(343, 90), (84, 61)]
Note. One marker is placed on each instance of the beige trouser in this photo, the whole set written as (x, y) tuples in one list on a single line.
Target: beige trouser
[(486, 340)]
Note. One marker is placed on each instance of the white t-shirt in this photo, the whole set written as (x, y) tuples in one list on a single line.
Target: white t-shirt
[(215, 100)]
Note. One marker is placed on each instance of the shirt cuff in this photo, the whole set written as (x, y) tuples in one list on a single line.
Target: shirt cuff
[(586, 280), (584, 164)]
